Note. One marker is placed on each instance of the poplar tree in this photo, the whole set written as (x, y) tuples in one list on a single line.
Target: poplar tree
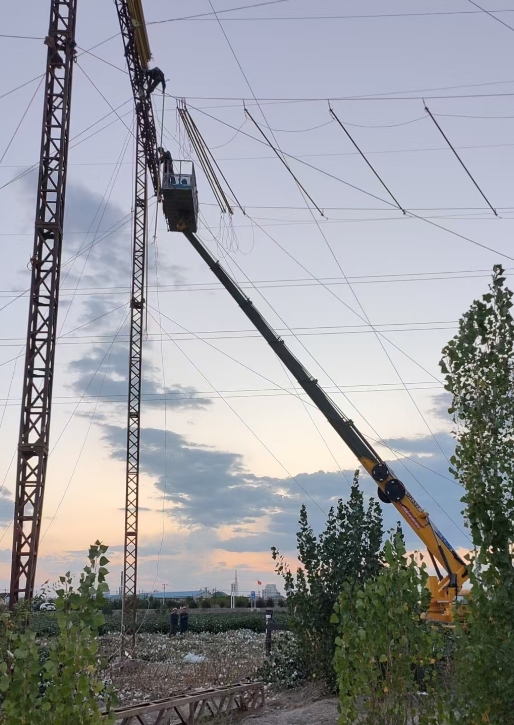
[(347, 551), (478, 364)]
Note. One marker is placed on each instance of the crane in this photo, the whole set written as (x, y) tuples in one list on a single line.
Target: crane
[(137, 54), (443, 587), (45, 262)]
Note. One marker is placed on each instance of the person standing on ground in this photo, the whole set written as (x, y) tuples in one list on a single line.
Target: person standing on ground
[(173, 622), (184, 620)]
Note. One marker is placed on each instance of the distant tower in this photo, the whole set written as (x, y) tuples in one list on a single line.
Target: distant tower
[(236, 585)]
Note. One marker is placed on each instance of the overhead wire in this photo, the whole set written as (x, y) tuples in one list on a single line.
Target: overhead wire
[(305, 195), (357, 299), (78, 403), (247, 426), (228, 10), (301, 399), (367, 193), (104, 202), (380, 441), (105, 99), (277, 386), (490, 13), (461, 161), (20, 121), (106, 359), (369, 16), (31, 168), (375, 172), (300, 188)]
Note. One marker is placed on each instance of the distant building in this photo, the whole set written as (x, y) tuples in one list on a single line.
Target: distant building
[(270, 591)]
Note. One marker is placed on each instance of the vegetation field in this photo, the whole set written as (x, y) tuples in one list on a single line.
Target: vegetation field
[(44, 624)]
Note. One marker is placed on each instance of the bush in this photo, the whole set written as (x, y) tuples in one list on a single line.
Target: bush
[(285, 667), (386, 659)]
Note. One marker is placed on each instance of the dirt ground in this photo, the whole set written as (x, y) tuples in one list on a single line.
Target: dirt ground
[(303, 706), (322, 712)]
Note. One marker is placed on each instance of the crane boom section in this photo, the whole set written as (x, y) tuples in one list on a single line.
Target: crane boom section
[(439, 548), (140, 34), (136, 63)]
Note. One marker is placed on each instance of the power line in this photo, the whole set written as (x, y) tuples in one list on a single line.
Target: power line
[(70, 479), (371, 16), (22, 37), (333, 114), (228, 10), (277, 387), (461, 161), (105, 99), (21, 121), (247, 426), (367, 193), (490, 13)]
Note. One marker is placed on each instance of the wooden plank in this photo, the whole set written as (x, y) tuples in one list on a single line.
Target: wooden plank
[(230, 700)]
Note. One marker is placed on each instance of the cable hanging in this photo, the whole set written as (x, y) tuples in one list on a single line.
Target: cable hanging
[(334, 116), (205, 157), (460, 160), (273, 148)]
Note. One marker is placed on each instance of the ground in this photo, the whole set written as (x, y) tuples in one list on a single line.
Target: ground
[(302, 706), (160, 670)]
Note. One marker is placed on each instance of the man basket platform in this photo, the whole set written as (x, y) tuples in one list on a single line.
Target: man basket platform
[(180, 196)]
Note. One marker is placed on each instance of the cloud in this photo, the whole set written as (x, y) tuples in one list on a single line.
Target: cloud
[(208, 489), (104, 371), (440, 405), (6, 506)]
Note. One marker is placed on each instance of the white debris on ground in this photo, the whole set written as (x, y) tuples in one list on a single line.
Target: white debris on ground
[(193, 659), (166, 666)]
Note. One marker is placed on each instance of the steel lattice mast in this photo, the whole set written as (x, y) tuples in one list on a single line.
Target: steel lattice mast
[(137, 53), (44, 297), (137, 303)]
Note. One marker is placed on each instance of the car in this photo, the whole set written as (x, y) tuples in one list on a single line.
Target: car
[(47, 607)]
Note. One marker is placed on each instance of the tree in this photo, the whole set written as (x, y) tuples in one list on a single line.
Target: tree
[(478, 364), (385, 657), (348, 551)]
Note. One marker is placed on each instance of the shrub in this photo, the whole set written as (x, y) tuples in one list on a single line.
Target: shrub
[(385, 657), (285, 667), (60, 684)]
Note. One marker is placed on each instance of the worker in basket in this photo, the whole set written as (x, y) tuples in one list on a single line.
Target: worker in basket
[(154, 76), (166, 160)]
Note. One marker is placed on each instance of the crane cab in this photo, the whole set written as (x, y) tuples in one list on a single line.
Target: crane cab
[(180, 196)]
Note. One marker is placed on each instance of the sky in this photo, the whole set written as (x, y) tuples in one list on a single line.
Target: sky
[(365, 295)]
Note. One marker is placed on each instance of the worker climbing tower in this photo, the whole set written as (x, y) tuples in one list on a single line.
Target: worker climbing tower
[(45, 262)]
